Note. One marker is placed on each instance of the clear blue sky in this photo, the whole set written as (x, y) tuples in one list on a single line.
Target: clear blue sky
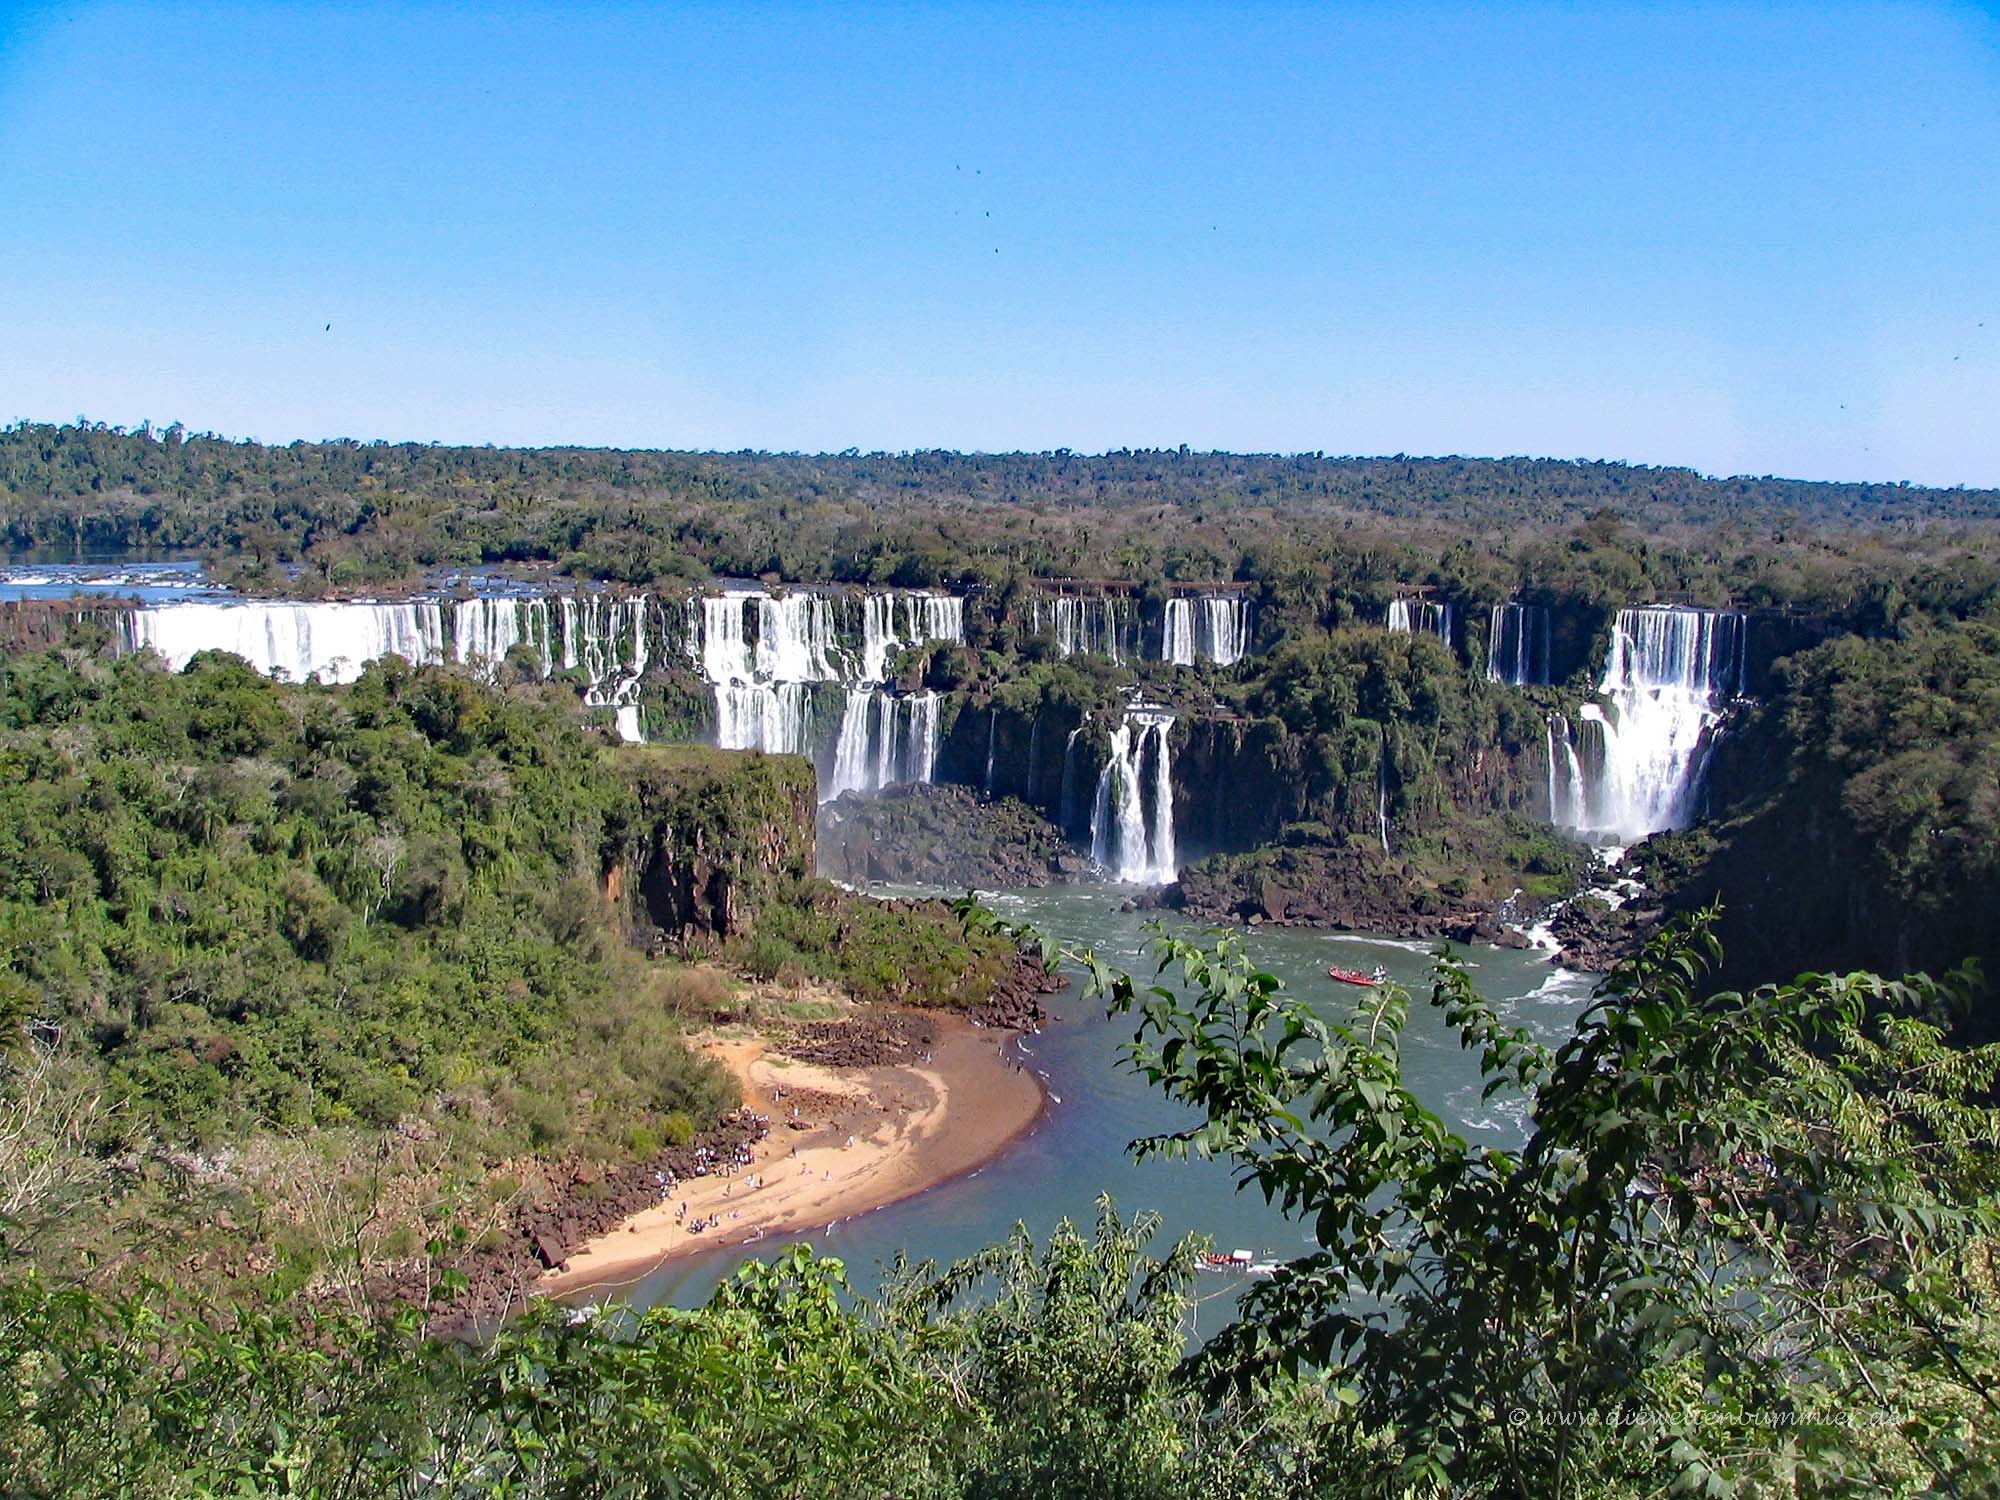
[(1751, 239)]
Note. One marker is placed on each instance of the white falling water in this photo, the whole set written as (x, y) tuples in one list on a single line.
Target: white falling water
[(1227, 633), (606, 637), (484, 630), (761, 654), (1566, 796), (855, 764), (775, 717), (1213, 628), (1517, 645), (884, 740), (1091, 627), (293, 641), (761, 678), (795, 638), (1382, 791), (921, 738), (1668, 675), (895, 622), (725, 645), (1420, 617), (1132, 824), (333, 640)]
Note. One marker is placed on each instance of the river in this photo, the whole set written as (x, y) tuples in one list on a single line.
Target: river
[(1098, 1105)]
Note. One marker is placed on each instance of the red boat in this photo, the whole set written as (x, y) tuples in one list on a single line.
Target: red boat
[(1355, 976)]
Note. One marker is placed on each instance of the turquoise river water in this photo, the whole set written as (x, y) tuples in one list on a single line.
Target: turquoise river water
[(1097, 1105)]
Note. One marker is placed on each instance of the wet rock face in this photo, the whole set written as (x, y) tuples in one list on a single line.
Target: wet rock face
[(1596, 937), (1016, 1001), (1237, 783), (38, 624), (940, 835)]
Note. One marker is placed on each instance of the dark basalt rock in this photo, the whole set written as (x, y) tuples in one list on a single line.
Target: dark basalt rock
[(589, 1199), (942, 835), (1016, 1001), (1341, 886), (1596, 937), (872, 1039)]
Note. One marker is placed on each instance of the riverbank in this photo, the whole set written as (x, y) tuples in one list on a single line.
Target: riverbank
[(843, 1140)]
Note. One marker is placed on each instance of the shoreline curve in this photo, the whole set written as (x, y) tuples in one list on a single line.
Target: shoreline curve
[(862, 1139)]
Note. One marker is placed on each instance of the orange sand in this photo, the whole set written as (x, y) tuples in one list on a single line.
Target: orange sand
[(911, 1127)]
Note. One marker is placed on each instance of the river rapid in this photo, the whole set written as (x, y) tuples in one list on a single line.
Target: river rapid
[(1098, 1106)]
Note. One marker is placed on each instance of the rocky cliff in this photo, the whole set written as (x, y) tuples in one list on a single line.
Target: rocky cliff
[(1857, 816), (942, 836), (709, 832)]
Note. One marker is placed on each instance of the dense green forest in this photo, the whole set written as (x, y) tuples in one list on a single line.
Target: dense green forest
[(235, 913), (1300, 529), (1858, 812), (1745, 1250)]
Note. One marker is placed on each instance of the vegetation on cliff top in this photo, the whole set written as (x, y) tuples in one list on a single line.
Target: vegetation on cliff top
[(1860, 811), (1299, 528)]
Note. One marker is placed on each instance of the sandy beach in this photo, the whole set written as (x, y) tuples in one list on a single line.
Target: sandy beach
[(842, 1141)]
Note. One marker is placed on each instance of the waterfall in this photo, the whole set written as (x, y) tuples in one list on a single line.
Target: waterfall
[(884, 740), (1566, 804), (921, 742), (992, 733), (879, 635), (1132, 823), (762, 654), (1093, 627), (761, 680), (894, 622), (794, 638), (1382, 789), (293, 641), (334, 640), (1517, 645), (1177, 633), (605, 635), (775, 717), (854, 766), (1668, 675), (1420, 617), (483, 631), (725, 648), (540, 632), (1227, 618), (1213, 628)]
